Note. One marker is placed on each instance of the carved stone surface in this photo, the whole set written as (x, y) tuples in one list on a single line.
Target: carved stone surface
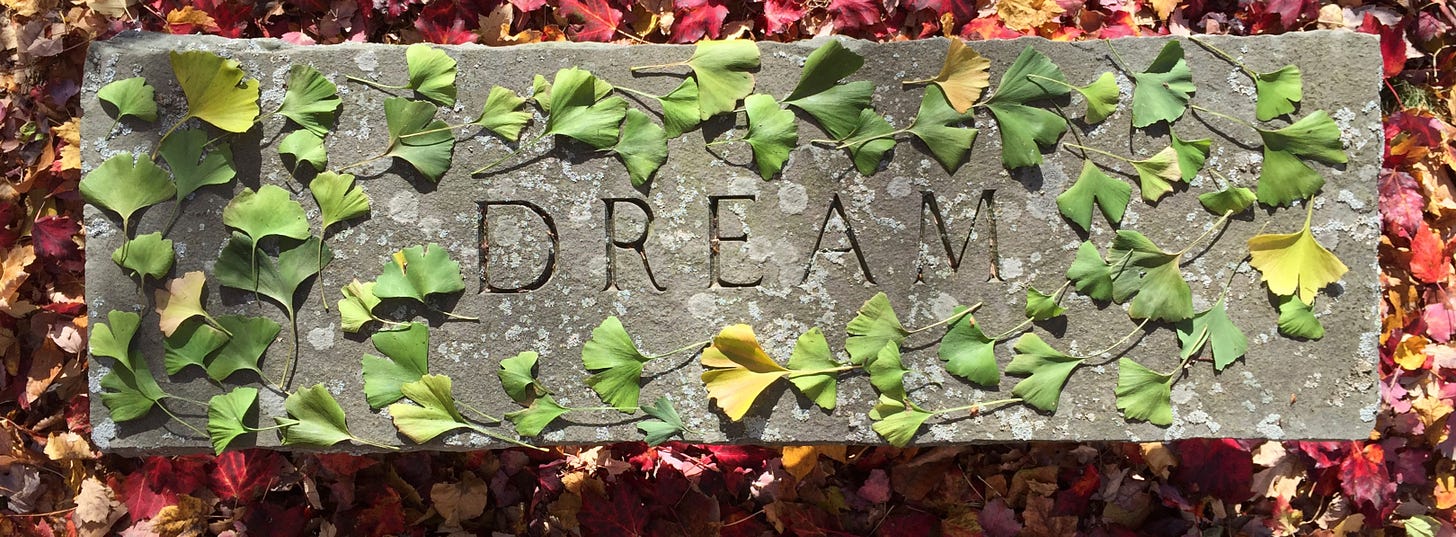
[(820, 240)]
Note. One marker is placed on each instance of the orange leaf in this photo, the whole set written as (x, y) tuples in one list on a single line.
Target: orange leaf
[(1411, 353)]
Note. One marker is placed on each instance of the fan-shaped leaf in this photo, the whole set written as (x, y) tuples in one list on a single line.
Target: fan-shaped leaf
[(1025, 129), (872, 328), (1090, 274), (436, 414), (531, 420), (724, 73), (615, 363), (518, 377), (504, 113), (1296, 319), (642, 147), (968, 353), (738, 370), (311, 100), (962, 78), (130, 97), (304, 147), (226, 414), (666, 423), (1213, 326), (812, 369), (339, 198), (1144, 394), (772, 133), (417, 272), (1161, 92), (1094, 187), (183, 151), (416, 137), (939, 126), (125, 185), (146, 255), (407, 351), (1047, 368), (1295, 263), (217, 90), (431, 73)]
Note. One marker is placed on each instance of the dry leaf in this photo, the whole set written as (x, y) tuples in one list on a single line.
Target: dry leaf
[(459, 502), (1159, 458), (96, 508), (1023, 15), (12, 274), (68, 446), (186, 519), (70, 132)]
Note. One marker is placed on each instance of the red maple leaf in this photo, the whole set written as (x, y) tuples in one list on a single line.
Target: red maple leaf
[(243, 475), (343, 464), (52, 236), (527, 6), (1429, 262), (384, 516), (591, 20), (780, 15), (622, 513), (1364, 477), (855, 14), (696, 19), (1401, 202), (1214, 467), (158, 482)]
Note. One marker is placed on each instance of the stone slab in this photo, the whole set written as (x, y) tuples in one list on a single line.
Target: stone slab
[(1284, 388)]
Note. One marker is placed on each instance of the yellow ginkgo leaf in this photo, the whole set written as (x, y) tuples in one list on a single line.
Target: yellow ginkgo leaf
[(1295, 262), (963, 77), (738, 370), (182, 300), (217, 90)]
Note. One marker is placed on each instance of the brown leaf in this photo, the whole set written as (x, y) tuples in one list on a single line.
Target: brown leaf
[(1159, 458), (68, 446), (96, 508), (459, 502), (69, 132), (186, 519), (1023, 15), (12, 274)]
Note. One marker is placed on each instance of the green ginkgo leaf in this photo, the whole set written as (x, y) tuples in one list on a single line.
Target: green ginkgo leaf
[(772, 133), (304, 147), (311, 100), (1144, 394), (1161, 92), (897, 423), (968, 353), (113, 338), (1094, 187), (1101, 96), (251, 338), (268, 212), (357, 306), (887, 371), (1284, 177), (407, 359), (1025, 129), (1295, 263), (1156, 174), (339, 198), (190, 345), (240, 266), (226, 415), (666, 422), (1150, 276), (1278, 92), (1041, 306), (541, 91), (124, 185), (217, 90), (530, 421), (183, 151), (315, 419), (871, 139), (1213, 327), (1235, 199), (130, 97), (518, 377), (824, 68), (1047, 368), (836, 107), (418, 272), (1296, 319), (1192, 154), (642, 147), (1090, 274), (436, 413), (504, 113), (129, 391), (577, 112), (680, 108), (812, 369), (724, 70), (938, 126), (615, 363), (431, 73), (146, 255), (416, 137), (872, 328)]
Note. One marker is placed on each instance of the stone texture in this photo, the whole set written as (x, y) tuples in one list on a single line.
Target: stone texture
[(1282, 389)]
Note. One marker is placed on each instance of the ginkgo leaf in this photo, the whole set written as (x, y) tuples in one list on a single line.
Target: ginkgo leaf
[(530, 421), (724, 70), (1278, 92), (124, 185), (938, 126), (1094, 187), (436, 413), (417, 272), (113, 338), (642, 147), (1296, 319), (737, 370), (406, 352), (183, 151), (129, 391), (615, 364), (887, 371), (1025, 129), (251, 338), (314, 419), (541, 91), (1090, 274), (896, 423), (680, 108), (130, 97), (1047, 368), (1102, 98), (812, 369), (311, 100), (1041, 306), (518, 377), (824, 68), (968, 353), (242, 267), (962, 78), (577, 112), (872, 328), (357, 306), (304, 147), (871, 139), (226, 415), (146, 255), (431, 73), (1191, 154), (1213, 327), (1144, 394), (339, 198), (504, 113), (1151, 277), (1235, 199), (217, 90), (1295, 263), (666, 422), (1285, 178), (837, 109), (1156, 174), (190, 344), (268, 212), (772, 133), (181, 300), (416, 137), (1161, 92)]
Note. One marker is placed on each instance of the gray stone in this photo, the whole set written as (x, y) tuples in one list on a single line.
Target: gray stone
[(1283, 388)]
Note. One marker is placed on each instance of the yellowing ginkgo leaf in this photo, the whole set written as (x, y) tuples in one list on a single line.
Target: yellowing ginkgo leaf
[(1295, 262), (217, 90), (963, 77), (181, 300), (738, 370)]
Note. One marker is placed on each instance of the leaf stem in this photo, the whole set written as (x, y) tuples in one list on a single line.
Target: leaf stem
[(684, 348), (1055, 81), (1100, 152), (373, 443), (917, 82), (507, 156), (287, 377), (346, 167), (374, 84), (636, 92), (1117, 58), (977, 406), (168, 133), (1013, 330), (722, 142), (1225, 116), (1226, 56), (451, 315), (184, 399), (438, 129), (1216, 225), (659, 66), (953, 318), (501, 437), (477, 412), (262, 429), (602, 408), (846, 144), (810, 372), (114, 123), (179, 420), (1118, 343)]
